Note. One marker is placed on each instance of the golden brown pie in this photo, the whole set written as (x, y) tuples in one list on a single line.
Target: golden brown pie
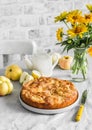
[(49, 93)]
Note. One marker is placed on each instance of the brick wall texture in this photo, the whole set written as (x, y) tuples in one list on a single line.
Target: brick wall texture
[(34, 19)]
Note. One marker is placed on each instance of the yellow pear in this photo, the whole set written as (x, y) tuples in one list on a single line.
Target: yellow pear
[(36, 74), (13, 72), (10, 87), (23, 77), (6, 87), (28, 78), (3, 89), (3, 78)]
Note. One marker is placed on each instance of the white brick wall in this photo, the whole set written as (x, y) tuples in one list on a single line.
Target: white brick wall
[(34, 19)]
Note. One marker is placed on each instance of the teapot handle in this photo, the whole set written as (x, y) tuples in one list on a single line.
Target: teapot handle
[(56, 61)]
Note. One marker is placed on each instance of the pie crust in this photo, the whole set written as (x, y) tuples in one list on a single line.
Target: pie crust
[(49, 93)]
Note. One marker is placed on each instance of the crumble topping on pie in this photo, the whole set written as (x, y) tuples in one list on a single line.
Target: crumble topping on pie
[(49, 93)]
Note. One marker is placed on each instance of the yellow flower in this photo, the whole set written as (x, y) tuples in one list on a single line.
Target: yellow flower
[(89, 7), (90, 51), (61, 17), (74, 16), (59, 34), (80, 20), (88, 18), (77, 30)]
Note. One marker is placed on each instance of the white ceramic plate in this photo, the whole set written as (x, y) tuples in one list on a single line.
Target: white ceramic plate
[(46, 111)]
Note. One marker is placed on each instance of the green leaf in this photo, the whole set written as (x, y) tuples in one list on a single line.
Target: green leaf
[(69, 47), (65, 48), (58, 43)]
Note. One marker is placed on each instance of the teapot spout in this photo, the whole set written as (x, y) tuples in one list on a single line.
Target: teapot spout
[(28, 63)]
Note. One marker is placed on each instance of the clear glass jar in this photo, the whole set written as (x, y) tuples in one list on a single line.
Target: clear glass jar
[(79, 68)]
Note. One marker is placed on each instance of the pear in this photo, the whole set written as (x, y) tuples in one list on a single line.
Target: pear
[(13, 72), (65, 62), (36, 74), (28, 78), (3, 89), (23, 77), (6, 86)]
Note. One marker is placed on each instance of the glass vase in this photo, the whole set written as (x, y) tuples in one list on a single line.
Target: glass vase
[(79, 67)]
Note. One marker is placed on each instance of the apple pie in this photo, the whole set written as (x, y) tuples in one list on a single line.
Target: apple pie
[(49, 93)]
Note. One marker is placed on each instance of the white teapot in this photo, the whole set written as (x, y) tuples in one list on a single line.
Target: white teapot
[(42, 62)]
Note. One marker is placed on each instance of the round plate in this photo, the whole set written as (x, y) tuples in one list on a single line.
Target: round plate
[(48, 111)]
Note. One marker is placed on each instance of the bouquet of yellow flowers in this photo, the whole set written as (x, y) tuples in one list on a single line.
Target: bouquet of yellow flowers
[(78, 35)]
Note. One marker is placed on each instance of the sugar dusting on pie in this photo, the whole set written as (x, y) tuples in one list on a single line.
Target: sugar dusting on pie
[(49, 93)]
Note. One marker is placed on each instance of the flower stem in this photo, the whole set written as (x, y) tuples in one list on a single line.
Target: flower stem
[(66, 24), (80, 62)]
